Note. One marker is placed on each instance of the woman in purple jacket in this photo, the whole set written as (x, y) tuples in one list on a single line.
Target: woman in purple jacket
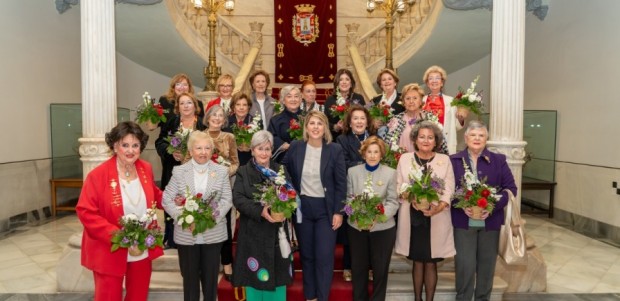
[(476, 240)]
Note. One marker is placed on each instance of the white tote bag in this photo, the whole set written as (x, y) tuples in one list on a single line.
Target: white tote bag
[(512, 236)]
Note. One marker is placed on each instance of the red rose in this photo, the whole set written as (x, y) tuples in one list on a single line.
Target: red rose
[(160, 111), (458, 96), (292, 194), (482, 203), (468, 194), (240, 122), (397, 156), (485, 193), (386, 112), (340, 109), (214, 157), (199, 195), (381, 208)]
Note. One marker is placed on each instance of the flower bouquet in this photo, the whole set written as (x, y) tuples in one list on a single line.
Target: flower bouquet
[(219, 159), (423, 187), (381, 111), (178, 141), (150, 112), (393, 153), (279, 195), (199, 211), (243, 133), (277, 107), (366, 208), (143, 232), (469, 101), (340, 108), (296, 128), (475, 194)]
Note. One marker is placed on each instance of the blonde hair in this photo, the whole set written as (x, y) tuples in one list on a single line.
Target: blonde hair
[(370, 141), (177, 79), (435, 69), (327, 135)]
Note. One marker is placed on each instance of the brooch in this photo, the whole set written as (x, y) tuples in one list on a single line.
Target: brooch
[(212, 174), (380, 183)]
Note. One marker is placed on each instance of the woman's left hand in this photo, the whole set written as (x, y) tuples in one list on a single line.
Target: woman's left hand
[(133, 249), (336, 221)]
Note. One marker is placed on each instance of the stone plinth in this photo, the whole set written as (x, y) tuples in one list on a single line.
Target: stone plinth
[(71, 276), (531, 277)]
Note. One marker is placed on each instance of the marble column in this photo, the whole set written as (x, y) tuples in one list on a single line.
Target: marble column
[(507, 61), (98, 80)]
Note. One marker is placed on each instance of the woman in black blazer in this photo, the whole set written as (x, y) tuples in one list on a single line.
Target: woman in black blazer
[(344, 84), (322, 190)]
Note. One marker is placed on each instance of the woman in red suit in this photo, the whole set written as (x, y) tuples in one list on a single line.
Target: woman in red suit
[(121, 185)]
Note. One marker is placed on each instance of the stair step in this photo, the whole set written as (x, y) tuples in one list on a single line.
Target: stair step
[(167, 262), (400, 287)]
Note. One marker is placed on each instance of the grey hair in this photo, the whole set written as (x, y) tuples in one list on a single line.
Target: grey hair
[(261, 137), (427, 125), (474, 125), (199, 135), (286, 90), (212, 112)]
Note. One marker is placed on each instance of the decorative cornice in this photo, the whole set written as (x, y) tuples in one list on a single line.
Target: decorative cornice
[(535, 6), (64, 5)]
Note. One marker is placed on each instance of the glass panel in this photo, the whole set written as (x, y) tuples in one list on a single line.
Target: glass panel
[(66, 128), (539, 131)]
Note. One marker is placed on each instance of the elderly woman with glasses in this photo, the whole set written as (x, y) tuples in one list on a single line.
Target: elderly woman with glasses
[(476, 238), (439, 104), (225, 87)]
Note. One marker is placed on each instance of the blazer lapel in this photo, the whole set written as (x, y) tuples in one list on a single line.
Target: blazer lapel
[(211, 174), (324, 160), (300, 162), (147, 186), (114, 186)]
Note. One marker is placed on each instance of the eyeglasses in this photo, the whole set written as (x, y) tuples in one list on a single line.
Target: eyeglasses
[(225, 86), (435, 78)]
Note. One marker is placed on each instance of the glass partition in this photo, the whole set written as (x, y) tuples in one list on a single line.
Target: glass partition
[(539, 131), (66, 128)]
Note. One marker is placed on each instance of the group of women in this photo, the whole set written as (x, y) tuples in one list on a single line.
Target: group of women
[(323, 174)]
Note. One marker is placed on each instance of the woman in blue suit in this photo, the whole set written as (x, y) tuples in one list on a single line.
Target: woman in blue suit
[(322, 189)]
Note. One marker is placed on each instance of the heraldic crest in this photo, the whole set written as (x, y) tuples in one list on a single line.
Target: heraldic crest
[(305, 24)]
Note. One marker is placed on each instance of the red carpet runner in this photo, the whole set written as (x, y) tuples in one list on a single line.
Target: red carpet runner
[(341, 290)]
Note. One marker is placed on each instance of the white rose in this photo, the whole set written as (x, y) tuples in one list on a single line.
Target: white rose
[(180, 222), (144, 218), (394, 147), (191, 205), (280, 181), (403, 187), (131, 217), (189, 219)]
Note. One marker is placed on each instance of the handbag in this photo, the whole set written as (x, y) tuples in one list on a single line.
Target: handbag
[(512, 236), (285, 245)]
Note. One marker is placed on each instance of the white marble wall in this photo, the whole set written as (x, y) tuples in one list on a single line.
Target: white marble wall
[(25, 186), (587, 191)]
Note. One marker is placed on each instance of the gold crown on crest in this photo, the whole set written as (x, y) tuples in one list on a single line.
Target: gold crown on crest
[(305, 8)]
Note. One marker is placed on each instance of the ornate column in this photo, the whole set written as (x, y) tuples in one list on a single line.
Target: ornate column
[(507, 61), (98, 80)]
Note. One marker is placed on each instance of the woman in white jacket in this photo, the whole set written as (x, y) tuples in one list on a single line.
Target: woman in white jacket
[(439, 104)]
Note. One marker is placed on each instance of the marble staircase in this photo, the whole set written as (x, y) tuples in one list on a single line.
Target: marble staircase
[(166, 280)]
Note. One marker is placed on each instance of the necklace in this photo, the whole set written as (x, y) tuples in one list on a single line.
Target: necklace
[(423, 162), (200, 170), (219, 133), (128, 168), (126, 193)]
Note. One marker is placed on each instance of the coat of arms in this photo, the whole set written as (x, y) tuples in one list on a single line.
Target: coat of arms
[(305, 24)]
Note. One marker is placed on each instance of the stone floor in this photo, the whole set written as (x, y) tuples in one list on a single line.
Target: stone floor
[(579, 268)]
